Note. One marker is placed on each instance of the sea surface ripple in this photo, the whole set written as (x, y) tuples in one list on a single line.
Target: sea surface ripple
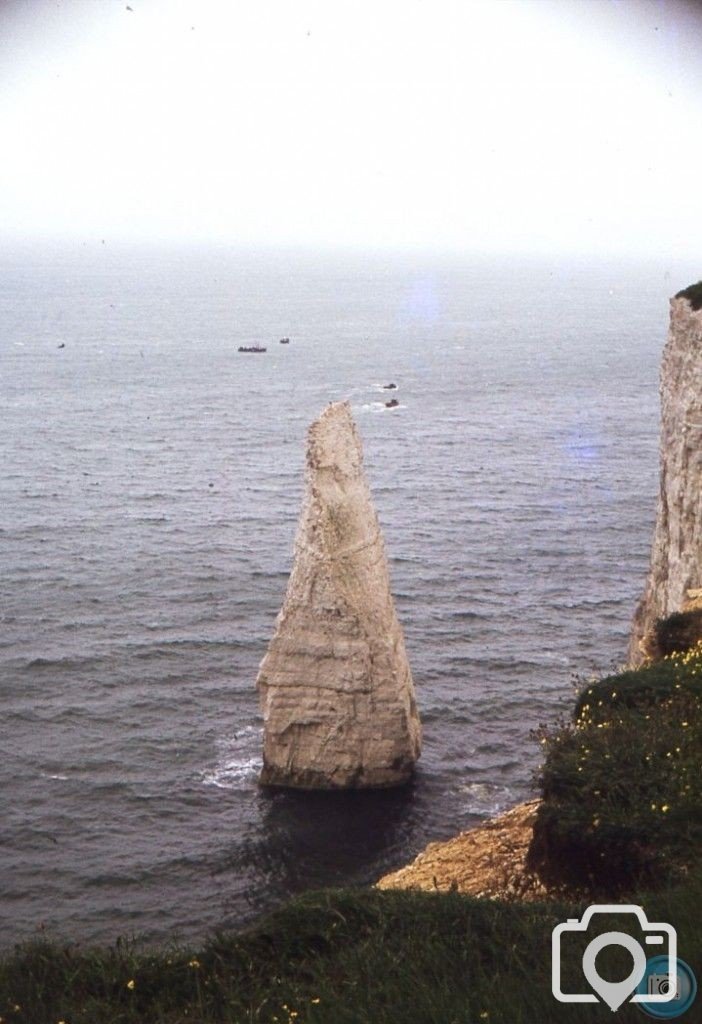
[(151, 482)]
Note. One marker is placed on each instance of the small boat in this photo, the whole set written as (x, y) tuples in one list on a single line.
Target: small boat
[(251, 348), (285, 341), (392, 404), (389, 387)]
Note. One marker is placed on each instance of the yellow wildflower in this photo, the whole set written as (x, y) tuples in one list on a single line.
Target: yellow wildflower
[(130, 984)]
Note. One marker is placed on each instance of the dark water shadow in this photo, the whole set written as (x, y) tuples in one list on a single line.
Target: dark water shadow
[(311, 840)]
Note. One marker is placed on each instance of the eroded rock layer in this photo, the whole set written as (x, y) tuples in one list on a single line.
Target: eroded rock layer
[(335, 686), (676, 557), (490, 861)]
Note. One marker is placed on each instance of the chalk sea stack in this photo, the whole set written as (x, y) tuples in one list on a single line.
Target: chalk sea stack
[(336, 688), (675, 575)]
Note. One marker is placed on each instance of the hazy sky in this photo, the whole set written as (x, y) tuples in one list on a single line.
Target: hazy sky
[(509, 126)]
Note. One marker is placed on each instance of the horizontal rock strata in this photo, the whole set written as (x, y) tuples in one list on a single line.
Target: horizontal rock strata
[(676, 558), (336, 690)]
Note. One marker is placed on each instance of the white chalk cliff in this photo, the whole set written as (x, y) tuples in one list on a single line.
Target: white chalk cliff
[(335, 686), (676, 557)]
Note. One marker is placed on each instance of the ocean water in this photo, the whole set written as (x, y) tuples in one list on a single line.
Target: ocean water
[(151, 480)]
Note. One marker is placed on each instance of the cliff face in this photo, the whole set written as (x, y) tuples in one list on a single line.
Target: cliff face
[(676, 556), (335, 686)]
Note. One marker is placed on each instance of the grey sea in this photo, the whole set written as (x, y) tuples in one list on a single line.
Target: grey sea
[(151, 480)]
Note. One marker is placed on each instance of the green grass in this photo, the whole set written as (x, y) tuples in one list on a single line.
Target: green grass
[(642, 688), (622, 785), (336, 957)]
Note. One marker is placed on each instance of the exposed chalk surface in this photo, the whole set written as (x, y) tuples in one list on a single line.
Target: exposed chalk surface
[(336, 688), (676, 556)]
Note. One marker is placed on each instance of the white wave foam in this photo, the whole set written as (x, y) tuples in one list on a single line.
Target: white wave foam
[(486, 798), (234, 774), (377, 407), (239, 763)]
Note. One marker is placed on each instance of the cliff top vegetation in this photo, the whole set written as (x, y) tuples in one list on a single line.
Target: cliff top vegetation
[(693, 294)]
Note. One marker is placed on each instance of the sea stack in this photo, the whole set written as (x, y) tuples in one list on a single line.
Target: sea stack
[(676, 557), (335, 686)]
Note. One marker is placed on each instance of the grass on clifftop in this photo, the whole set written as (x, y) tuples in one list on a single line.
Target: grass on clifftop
[(340, 957), (622, 785)]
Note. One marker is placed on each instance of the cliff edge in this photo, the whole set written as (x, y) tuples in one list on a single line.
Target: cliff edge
[(676, 555)]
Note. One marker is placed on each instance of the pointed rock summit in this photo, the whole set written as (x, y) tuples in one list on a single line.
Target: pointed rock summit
[(335, 686), (675, 575)]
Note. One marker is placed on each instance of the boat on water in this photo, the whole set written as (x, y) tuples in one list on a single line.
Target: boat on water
[(285, 341), (392, 404), (251, 348)]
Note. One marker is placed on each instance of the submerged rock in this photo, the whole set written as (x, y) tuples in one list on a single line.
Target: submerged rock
[(675, 574), (335, 686)]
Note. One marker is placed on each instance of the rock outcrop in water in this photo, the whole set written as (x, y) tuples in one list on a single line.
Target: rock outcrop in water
[(675, 575), (335, 686)]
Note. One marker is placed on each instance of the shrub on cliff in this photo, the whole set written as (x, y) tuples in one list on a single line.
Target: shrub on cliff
[(643, 687), (678, 633), (693, 294), (622, 791)]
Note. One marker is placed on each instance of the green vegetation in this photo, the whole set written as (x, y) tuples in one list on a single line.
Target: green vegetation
[(693, 294), (642, 688), (622, 788), (621, 816), (337, 958), (678, 633)]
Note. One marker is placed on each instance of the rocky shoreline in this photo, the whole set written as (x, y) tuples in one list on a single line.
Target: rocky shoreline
[(488, 861)]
